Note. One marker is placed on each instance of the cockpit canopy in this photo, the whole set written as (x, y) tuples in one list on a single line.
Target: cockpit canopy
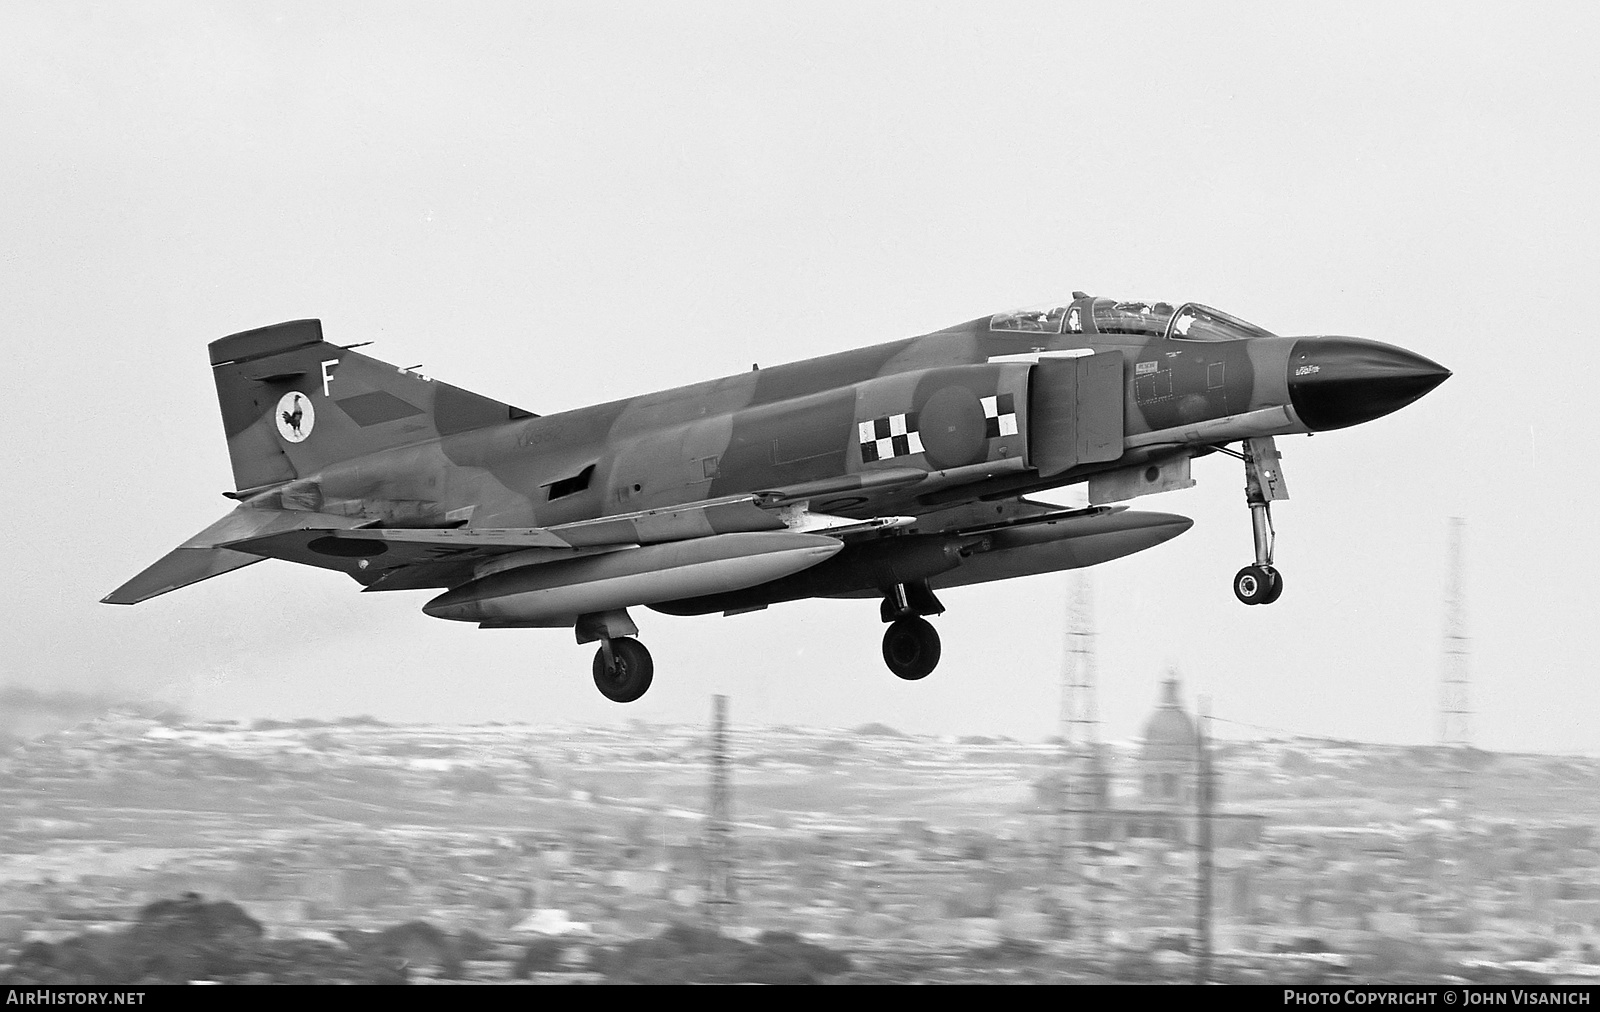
[(1085, 315)]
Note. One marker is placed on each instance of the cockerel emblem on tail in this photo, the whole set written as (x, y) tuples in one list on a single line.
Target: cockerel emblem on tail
[(292, 418)]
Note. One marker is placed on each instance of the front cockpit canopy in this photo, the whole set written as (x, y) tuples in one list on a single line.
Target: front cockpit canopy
[(1189, 322), (1194, 322)]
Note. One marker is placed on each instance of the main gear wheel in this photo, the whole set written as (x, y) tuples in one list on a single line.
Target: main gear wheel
[(626, 674), (911, 648)]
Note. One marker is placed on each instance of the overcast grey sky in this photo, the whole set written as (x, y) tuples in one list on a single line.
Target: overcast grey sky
[(557, 204)]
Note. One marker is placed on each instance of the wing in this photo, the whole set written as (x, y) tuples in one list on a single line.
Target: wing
[(411, 559)]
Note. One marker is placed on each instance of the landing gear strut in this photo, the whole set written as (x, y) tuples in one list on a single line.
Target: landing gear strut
[(910, 645), (1261, 583), (623, 669)]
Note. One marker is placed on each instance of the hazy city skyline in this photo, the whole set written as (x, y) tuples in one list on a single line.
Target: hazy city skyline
[(558, 204)]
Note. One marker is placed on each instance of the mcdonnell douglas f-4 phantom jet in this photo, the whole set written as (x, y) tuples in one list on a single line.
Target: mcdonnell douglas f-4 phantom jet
[(890, 472)]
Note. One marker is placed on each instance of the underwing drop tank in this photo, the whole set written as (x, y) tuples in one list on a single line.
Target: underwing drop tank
[(556, 593)]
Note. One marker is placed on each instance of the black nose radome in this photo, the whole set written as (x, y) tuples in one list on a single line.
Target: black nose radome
[(1340, 381)]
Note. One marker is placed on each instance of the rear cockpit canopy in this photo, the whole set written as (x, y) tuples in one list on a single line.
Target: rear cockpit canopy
[(1038, 320), (1143, 319), (1085, 315)]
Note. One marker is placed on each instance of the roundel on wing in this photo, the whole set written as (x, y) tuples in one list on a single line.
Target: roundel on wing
[(295, 416), (953, 427)]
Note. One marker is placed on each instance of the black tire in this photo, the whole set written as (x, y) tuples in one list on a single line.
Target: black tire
[(1277, 585), (1252, 585), (631, 673), (911, 648)]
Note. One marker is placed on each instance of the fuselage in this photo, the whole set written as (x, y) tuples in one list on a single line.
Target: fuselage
[(805, 422)]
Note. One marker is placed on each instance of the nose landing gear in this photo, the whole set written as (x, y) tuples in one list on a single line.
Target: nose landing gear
[(1261, 583)]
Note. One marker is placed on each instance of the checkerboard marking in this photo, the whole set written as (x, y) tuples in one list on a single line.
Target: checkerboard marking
[(1000, 416), (890, 436)]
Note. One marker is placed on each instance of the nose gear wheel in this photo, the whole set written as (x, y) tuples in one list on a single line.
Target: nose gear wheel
[(1257, 585)]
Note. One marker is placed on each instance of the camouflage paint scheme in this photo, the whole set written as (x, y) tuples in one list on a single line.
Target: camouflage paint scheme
[(914, 455)]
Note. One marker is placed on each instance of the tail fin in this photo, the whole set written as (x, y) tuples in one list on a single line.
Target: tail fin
[(293, 404)]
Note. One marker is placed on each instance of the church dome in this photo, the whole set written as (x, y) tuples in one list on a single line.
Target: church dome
[(1170, 733)]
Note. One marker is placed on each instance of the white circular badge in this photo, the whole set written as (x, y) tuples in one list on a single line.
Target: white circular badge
[(295, 416)]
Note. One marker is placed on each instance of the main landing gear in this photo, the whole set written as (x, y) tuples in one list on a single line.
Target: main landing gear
[(1261, 583), (910, 645), (623, 669)]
